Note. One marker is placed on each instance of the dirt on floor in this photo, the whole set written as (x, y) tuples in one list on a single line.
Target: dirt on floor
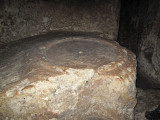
[(147, 100)]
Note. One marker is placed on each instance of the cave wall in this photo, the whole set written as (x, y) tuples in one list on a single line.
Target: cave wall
[(140, 32), (24, 18)]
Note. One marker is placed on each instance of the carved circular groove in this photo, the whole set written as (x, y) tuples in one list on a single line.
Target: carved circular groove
[(81, 53)]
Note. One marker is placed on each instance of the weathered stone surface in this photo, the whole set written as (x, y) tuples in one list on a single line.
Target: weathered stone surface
[(24, 18), (72, 78)]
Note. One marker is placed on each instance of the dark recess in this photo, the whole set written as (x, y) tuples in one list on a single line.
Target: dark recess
[(136, 22)]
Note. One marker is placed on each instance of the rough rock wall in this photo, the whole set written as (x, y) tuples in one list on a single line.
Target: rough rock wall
[(149, 56), (140, 32), (20, 19)]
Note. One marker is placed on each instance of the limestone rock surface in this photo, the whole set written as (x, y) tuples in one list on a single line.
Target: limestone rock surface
[(67, 78), (21, 19)]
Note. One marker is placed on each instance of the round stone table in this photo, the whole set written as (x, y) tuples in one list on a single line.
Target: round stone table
[(67, 78)]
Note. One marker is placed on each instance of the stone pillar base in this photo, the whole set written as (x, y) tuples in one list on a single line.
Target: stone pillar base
[(72, 78)]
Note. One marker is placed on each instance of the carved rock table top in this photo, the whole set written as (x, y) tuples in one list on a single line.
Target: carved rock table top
[(67, 76)]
